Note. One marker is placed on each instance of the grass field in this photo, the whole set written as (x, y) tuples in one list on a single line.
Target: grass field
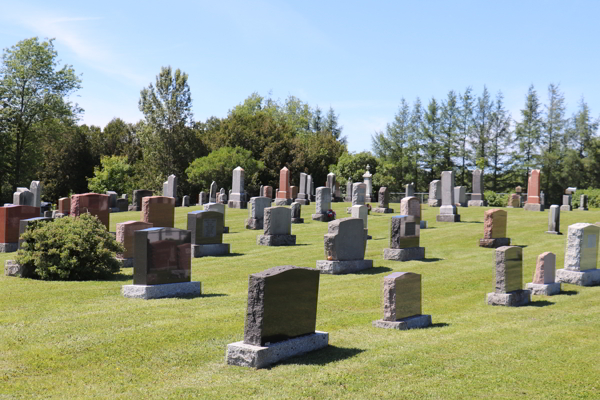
[(77, 340)]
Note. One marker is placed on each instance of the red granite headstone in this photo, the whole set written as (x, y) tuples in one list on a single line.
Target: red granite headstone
[(64, 205), (159, 211), (93, 203), (533, 187), (10, 219), (284, 184)]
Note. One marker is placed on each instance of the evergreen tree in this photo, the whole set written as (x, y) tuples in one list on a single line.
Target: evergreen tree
[(430, 146), (415, 140), (332, 126), (553, 130), (464, 129), (481, 128), (317, 120), (528, 133), (448, 131), (499, 140)]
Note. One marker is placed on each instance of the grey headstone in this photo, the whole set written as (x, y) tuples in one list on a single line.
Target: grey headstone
[(303, 190), (460, 195), (401, 295), (23, 197), (349, 190), (583, 200), (405, 232), (237, 190), (25, 223), (368, 180), (260, 191), (212, 197), (172, 186), (331, 181), (202, 198), (410, 190), (206, 227), (359, 193), (278, 221), (448, 188), (477, 185), (185, 202), (554, 219), (345, 240), (361, 212), (384, 197), (112, 201), (257, 207), (222, 196), (323, 201), (137, 198), (36, 188), (296, 209), (582, 247), (509, 269)]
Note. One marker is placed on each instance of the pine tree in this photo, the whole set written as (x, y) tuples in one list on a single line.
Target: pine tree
[(481, 128), (430, 146), (464, 129), (416, 139), (500, 137), (528, 133), (553, 129), (448, 131)]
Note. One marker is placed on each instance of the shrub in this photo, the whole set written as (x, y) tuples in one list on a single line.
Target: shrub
[(593, 198), (496, 200), (69, 249)]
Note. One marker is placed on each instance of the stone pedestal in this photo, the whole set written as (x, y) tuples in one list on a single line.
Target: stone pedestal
[(407, 254), (414, 322), (590, 277), (566, 208), (544, 289), (304, 202), (254, 223), (297, 220), (533, 207), (554, 232), (8, 247), (494, 243), (343, 267), (237, 204), (276, 240), (476, 203), (383, 210), (510, 299), (146, 292), (247, 355), (320, 217), (215, 249), (447, 218)]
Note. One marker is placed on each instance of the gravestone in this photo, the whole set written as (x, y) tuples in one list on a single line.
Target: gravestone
[(10, 219), (23, 197), (518, 189), (514, 201), (348, 190), (237, 196), (260, 191), (402, 302), (345, 244), (337, 196), (64, 205), (494, 229), (138, 195), (47, 214), (303, 197), (222, 196), (509, 279), (268, 192), (581, 256), (583, 200), (159, 211), (284, 195), (566, 204), (36, 189), (26, 223), (543, 277), (296, 210), (122, 204), (435, 194), (212, 197), (256, 212), (202, 198), (359, 195), (218, 207), (185, 201), (448, 211), (368, 181), (330, 182), (322, 204), (533, 192), (311, 185), (542, 198), (112, 200), (384, 201), (404, 239), (162, 265), (460, 196), (409, 190), (206, 228), (554, 220), (125, 236), (294, 190), (277, 228), (362, 212), (477, 198), (280, 317), (92, 203)]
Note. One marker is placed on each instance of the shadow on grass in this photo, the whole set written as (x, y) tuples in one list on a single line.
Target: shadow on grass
[(519, 245), (120, 277), (429, 227), (438, 325), (472, 222), (373, 271), (540, 303), (324, 356), (434, 259), (568, 292), (196, 296)]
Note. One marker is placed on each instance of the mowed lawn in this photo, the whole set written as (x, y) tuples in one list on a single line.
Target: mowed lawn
[(77, 340)]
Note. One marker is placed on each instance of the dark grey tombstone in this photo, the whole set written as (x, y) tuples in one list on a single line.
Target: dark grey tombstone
[(349, 190), (206, 227), (112, 201), (137, 198)]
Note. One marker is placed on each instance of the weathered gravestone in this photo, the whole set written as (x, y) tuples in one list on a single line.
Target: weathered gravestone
[(284, 195), (404, 239), (122, 204), (349, 190), (207, 233), (277, 228), (583, 203), (281, 317), (256, 212), (410, 206), (448, 211), (402, 302), (514, 201), (36, 188), (566, 204), (477, 198), (384, 201), (494, 229), (268, 192), (294, 190), (322, 204), (222, 196), (337, 196), (212, 197), (581, 256), (330, 182), (509, 279), (218, 207), (296, 210), (185, 201), (125, 236), (159, 211), (362, 212), (554, 220), (202, 198), (64, 205), (460, 196), (303, 196), (138, 195), (368, 181), (543, 277), (409, 190), (345, 244), (162, 265), (93, 203), (435, 194), (112, 200), (359, 195), (237, 196), (533, 192), (23, 197)]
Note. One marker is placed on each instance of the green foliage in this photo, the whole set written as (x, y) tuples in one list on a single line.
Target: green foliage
[(593, 196), (73, 249), (354, 166), (113, 174), (494, 199)]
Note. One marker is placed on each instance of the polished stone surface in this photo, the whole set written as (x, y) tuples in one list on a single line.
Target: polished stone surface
[(93, 203), (282, 304), (158, 211), (203, 250), (10, 222), (404, 232), (401, 295), (509, 269), (206, 227)]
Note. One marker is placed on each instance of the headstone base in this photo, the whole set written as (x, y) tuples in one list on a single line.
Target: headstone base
[(237, 204), (582, 209), (447, 218), (476, 203), (114, 210), (247, 355), (515, 298), (566, 208), (320, 217), (544, 289), (297, 220), (383, 210), (254, 223), (11, 268), (146, 292), (434, 202), (126, 262), (414, 322), (494, 243), (343, 267), (554, 232), (423, 224), (283, 202), (304, 202), (8, 247), (276, 240), (367, 199), (215, 249), (407, 254), (590, 277), (533, 207), (225, 229)]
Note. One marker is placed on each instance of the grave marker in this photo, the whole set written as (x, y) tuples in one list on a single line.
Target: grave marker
[(509, 279)]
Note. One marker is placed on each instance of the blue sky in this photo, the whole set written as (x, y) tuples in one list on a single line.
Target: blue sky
[(360, 58)]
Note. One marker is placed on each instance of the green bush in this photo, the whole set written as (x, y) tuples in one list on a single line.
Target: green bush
[(593, 198), (73, 249), (496, 200)]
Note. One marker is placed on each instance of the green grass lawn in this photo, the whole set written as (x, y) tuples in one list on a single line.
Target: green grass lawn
[(77, 340)]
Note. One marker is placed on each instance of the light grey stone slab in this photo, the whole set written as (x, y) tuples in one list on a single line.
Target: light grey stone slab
[(276, 240), (582, 247), (247, 355), (544, 289), (566, 208), (383, 210), (589, 277), (476, 203), (447, 218), (254, 223), (320, 217), (283, 202), (494, 243), (147, 292), (343, 267), (414, 322), (448, 188), (406, 254), (215, 249), (9, 247), (277, 221), (510, 299), (237, 204), (533, 207)]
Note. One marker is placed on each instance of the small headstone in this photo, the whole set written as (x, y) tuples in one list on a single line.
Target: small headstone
[(330, 182), (583, 200), (207, 233), (296, 210), (268, 192), (212, 197), (477, 197), (518, 189), (237, 198), (409, 190), (159, 211), (566, 204), (384, 201), (185, 202), (48, 214), (23, 197), (36, 189), (405, 232), (138, 195), (368, 181), (27, 223), (337, 193), (294, 190), (362, 212), (277, 228), (311, 184), (460, 196), (554, 220), (448, 211), (349, 190), (494, 229), (581, 256), (509, 279), (202, 198), (345, 244), (514, 201), (543, 277), (218, 207), (322, 204), (122, 204), (112, 201), (125, 236), (10, 218), (533, 192), (256, 212), (435, 194), (284, 195), (93, 203), (303, 196)]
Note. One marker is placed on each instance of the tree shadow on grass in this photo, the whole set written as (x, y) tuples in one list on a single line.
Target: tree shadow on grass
[(568, 292), (323, 356), (540, 303), (373, 271)]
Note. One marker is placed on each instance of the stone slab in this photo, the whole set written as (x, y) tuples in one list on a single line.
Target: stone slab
[(126, 262), (247, 355), (237, 204), (320, 217), (566, 208), (283, 202), (533, 207), (343, 267), (476, 203), (447, 218), (494, 243), (11, 268), (217, 249), (406, 254), (147, 292), (544, 289), (511, 299), (590, 277), (297, 220), (383, 210), (8, 247), (276, 240), (414, 322), (554, 232), (304, 202), (254, 223)]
